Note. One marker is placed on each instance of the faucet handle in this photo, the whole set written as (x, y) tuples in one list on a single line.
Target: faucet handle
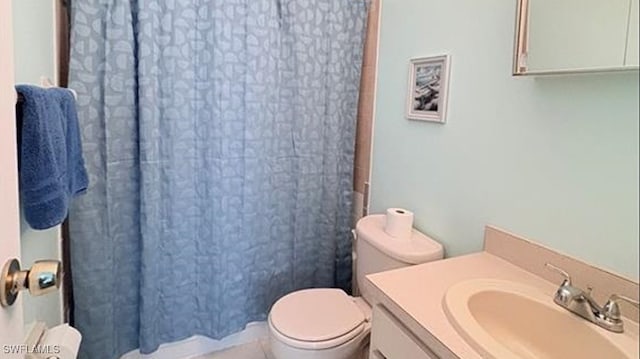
[(567, 277), (612, 310), (615, 297)]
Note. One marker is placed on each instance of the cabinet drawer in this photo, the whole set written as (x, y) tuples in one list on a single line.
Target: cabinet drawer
[(391, 340)]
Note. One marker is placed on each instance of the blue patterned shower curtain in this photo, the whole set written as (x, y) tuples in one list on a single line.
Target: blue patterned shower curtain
[(219, 140)]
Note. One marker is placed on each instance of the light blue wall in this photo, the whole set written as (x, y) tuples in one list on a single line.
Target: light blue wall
[(554, 159), (34, 36), (33, 31)]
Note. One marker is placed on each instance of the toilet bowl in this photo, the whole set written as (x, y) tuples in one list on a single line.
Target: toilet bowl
[(319, 323), (326, 323)]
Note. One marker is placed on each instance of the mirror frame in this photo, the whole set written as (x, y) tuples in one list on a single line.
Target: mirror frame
[(521, 44)]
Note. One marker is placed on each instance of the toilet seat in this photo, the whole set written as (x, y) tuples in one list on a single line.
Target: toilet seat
[(328, 344), (316, 319)]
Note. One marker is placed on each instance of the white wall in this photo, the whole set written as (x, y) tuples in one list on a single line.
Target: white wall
[(552, 158), (35, 57)]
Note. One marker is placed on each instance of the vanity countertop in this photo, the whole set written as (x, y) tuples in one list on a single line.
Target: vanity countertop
[(415, 295)]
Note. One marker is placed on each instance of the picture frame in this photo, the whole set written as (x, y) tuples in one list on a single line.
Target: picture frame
[(428, 88)]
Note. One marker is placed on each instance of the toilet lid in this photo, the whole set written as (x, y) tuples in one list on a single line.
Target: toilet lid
[(315, 315)]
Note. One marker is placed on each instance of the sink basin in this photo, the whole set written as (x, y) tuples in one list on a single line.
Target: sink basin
[(502, 319)]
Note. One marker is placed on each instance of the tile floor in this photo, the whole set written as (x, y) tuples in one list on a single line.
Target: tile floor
[(253, 350)]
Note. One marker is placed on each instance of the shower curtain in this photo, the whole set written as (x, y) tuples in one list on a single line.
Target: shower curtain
[(219, 139)]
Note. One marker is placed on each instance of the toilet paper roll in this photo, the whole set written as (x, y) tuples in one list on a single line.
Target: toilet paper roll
[(61, 342), (399, 223)]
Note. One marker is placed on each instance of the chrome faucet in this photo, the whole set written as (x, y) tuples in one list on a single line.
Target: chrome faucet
[(581, 303)]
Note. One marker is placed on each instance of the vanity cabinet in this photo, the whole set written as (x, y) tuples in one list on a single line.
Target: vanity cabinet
[(390, 339), (576, 36)]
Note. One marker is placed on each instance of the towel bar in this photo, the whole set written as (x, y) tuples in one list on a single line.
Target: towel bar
[(20, 98), (46, 83)]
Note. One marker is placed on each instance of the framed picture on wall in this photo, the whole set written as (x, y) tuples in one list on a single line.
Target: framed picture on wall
[(428, 88)]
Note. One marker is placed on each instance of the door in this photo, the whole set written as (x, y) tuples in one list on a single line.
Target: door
[(11, 319), (632, 36), (34, 49)]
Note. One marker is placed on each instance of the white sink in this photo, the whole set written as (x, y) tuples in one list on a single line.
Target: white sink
[(502, 319)]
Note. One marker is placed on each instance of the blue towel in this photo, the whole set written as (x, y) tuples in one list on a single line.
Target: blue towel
[(51, 167)]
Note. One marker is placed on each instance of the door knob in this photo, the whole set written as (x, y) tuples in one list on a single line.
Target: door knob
[(43, 277)]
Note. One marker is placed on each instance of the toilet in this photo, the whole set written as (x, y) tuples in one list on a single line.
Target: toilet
[(326, 323)]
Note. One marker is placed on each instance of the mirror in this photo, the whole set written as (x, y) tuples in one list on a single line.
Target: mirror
[(556, 36), (35, 44)]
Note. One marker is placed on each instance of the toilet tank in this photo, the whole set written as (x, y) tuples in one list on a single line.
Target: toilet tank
[(376, 251)]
